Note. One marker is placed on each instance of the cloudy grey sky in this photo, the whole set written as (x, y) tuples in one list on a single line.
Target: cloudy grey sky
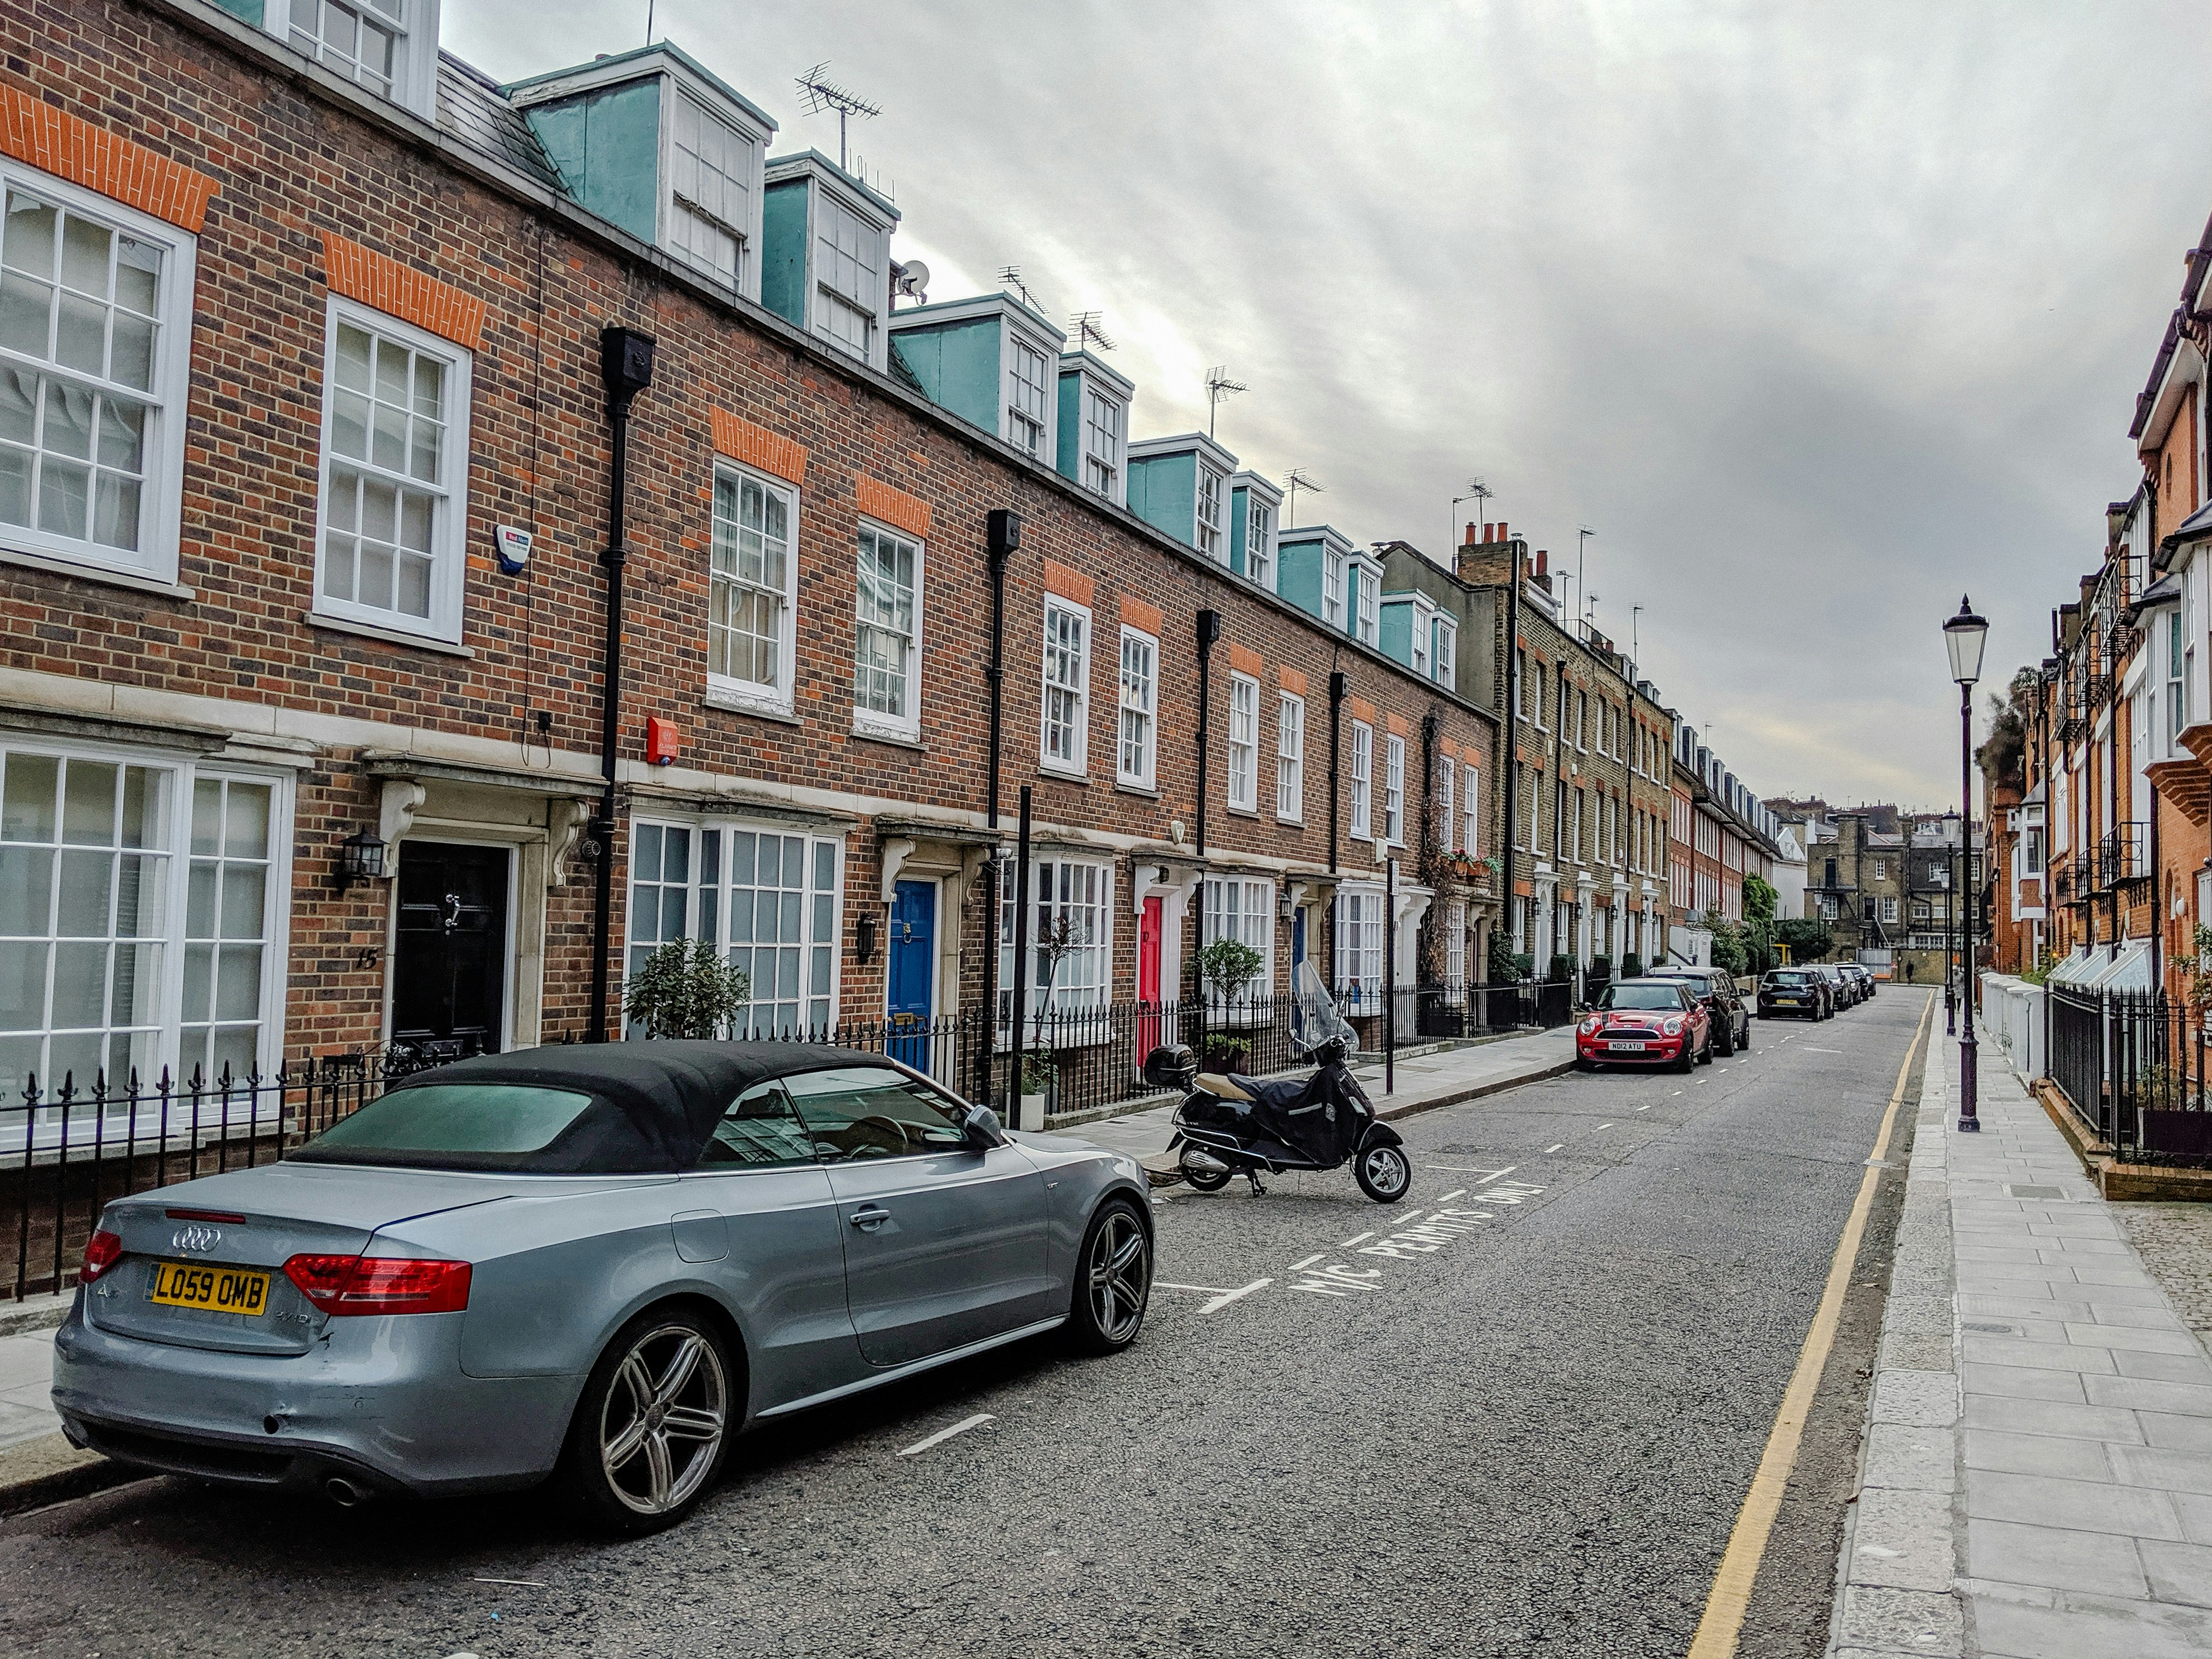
[(1817, 314)]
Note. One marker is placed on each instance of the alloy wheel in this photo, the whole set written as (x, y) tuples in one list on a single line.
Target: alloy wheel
[(663, 1422), (1387, 1171), (1120, 1271)]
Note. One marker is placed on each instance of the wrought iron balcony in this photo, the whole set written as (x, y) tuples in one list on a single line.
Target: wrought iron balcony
[(2124, 856)]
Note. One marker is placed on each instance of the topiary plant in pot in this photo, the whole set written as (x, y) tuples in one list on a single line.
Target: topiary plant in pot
[(685, 989)]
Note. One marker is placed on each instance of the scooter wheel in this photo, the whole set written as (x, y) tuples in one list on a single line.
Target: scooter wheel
[(1206, 1180), (1384, 1173)]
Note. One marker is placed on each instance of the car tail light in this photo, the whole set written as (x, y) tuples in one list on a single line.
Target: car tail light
[(101, 1251), (343, 1286), (1673, 1027)]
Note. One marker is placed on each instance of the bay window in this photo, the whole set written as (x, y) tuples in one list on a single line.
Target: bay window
[(768, 898), (1359, 932), (95, 329), (1291, 759), (141, 920), (1065, 745), (751, 583), (1243, 743), (1243, 909), (1071, 943), (1134, 760), (394, 475), (887, 636)]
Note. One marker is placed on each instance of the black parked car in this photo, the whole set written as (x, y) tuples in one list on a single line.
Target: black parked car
[(1798, 991), (1717, 990), (1863, 977)]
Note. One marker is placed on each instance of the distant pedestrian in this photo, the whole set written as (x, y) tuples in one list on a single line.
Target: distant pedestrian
[(1908, 973)]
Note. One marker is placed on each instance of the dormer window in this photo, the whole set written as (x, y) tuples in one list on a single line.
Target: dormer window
[(711, 166), (1331, 588), (1260, 544), (1366, 614), (1442, 656), (1102, 442), (1212, 539), (361, 43), (848, 269), (1027, 375)]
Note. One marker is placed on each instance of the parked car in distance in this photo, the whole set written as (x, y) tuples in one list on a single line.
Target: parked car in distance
[(1644, 1022), (595, 1264), (1731, 1020), (1841, 993), (1798, 991), (1861, 976)]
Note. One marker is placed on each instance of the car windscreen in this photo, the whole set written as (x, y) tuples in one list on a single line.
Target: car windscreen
[(1660, 997), (1787, 979), (459, 1126)]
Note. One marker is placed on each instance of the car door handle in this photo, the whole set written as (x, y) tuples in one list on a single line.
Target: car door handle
[(870, 1217)]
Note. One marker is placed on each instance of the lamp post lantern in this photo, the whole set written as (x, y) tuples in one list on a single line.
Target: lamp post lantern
[(1964, 635)]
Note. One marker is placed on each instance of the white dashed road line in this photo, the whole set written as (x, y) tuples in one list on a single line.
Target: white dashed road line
[(1605, 1126), (1644, 1108), (1555, 1145), (1227, 1297), (1810, 1049), (944, 1435), (1356, 1238), (1309, 1261)]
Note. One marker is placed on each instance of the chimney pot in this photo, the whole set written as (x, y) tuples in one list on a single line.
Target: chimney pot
[(1543, 561), (1470, 534), (1504, 535)]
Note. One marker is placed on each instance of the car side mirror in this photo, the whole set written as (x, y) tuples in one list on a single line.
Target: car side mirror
[(981, 1126)]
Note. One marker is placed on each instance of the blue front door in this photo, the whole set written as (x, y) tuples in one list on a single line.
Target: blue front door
[(913, 966), (1298, 941)]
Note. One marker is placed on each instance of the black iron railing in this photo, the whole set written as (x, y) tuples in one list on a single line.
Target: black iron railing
[(2131, 1064)]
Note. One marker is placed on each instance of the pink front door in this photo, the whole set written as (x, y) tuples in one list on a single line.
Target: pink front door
[(1148, 977)]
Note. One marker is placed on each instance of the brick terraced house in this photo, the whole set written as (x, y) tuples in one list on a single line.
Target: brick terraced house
[(309, 532)]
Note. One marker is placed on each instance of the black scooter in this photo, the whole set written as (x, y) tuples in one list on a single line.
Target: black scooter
[(1229, 1125)]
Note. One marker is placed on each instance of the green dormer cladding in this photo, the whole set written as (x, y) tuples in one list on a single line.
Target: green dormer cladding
[(1311, 565), (1180, 485), (1255, 507), (1416, 633), (993, 361), (826, 255), (657, 146), (1093, 446)]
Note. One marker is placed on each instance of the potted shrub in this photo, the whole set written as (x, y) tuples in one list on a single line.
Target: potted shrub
[(1562, 968), (1039, 1075), (685, 989), (1631, 965)]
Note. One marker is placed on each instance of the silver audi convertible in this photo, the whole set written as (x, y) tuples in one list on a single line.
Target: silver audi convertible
[(596, 1265)]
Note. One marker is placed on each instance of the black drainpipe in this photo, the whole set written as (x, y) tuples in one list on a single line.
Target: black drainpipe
[(1508, 771), (626, 366), (1209, 631), (1002, 538), (1338, 688)]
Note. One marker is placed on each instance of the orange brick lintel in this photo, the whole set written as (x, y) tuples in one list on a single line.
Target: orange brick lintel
[(384, 284), (756, 446), (73, 149), (1243, 659), (1362, 710), (1145, 618), (893, 507), (1292, 680), (1397, 725), (1068, 584)]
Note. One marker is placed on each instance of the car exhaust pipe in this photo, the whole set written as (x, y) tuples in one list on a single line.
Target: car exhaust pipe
[(1204, 1162), (345, 1493)]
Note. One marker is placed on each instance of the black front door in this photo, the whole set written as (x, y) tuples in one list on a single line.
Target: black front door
[(449, 968)]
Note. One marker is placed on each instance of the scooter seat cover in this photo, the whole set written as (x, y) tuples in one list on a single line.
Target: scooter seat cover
[(1285, 1094), (1222, 1086)]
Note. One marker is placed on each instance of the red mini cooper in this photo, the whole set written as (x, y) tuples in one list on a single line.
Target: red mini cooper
[(1644, 1022)]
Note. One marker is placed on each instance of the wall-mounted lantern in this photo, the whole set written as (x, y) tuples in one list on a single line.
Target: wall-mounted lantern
[(863, 937), (362, 856)]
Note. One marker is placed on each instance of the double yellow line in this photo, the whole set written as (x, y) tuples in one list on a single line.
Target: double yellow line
[(1722, 1624)]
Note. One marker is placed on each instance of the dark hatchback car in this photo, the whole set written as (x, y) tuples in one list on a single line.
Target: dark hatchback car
[(1723, 1002), (1842, 988), (1798, 991), (1862, 978)]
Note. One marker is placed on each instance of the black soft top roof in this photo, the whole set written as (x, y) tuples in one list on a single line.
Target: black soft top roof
[(654, 1104)]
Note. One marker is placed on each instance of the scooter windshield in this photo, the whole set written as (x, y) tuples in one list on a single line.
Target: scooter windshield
[(1314, 1017)]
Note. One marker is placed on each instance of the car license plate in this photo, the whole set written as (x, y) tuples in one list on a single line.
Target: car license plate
[(1790, 999), (219, 1290), (1631, 1048)]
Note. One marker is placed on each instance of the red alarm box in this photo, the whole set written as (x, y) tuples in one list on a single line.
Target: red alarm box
[(662, 740)]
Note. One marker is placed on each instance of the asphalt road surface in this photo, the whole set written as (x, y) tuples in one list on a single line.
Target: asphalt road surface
[(1526, 1426)]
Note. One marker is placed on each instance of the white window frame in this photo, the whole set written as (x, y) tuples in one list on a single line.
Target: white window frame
[(1444, 653), (684, 210), (1357, 964), (1210, 513), (1243, 743), (449, 537), (1393, 789), (1368, 620), (1362, 778), (173, 941), (1420, 631), (1471, 811), (1103, 474), (1447, 798), (1290, 757), (828, 299), (1249, 920), (707, 913), (1015, 393), (1096, 990), (1258, 541), (1332, 567), (1075, 765), (162, 487), (1143, 701), (1455, 945), (871, 722), (414, 72), (774, 696)]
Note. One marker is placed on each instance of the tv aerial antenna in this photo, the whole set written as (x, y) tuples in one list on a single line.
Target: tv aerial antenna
[(1219, 388), (1478, 492), (817, 93), (1296, 479), (1011, 277), (1084, 325)]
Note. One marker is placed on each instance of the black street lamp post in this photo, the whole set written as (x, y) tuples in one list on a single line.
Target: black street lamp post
[(1964, 635)]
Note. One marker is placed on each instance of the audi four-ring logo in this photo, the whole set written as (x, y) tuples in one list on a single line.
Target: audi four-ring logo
[(197, 1238)]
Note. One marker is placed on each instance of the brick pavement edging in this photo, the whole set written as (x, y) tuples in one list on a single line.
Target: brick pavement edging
[(2116, 1181)]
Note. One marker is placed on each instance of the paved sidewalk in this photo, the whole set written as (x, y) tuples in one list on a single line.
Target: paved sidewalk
[(1433, 1079), (2037, 1480), (27, 1368)]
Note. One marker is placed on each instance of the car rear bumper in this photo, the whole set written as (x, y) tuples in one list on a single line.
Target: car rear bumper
[(387, 1408)]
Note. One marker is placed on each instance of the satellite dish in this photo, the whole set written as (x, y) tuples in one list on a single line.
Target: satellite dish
[(912, 279)]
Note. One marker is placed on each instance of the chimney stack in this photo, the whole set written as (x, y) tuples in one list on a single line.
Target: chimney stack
[(1504, 535)]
